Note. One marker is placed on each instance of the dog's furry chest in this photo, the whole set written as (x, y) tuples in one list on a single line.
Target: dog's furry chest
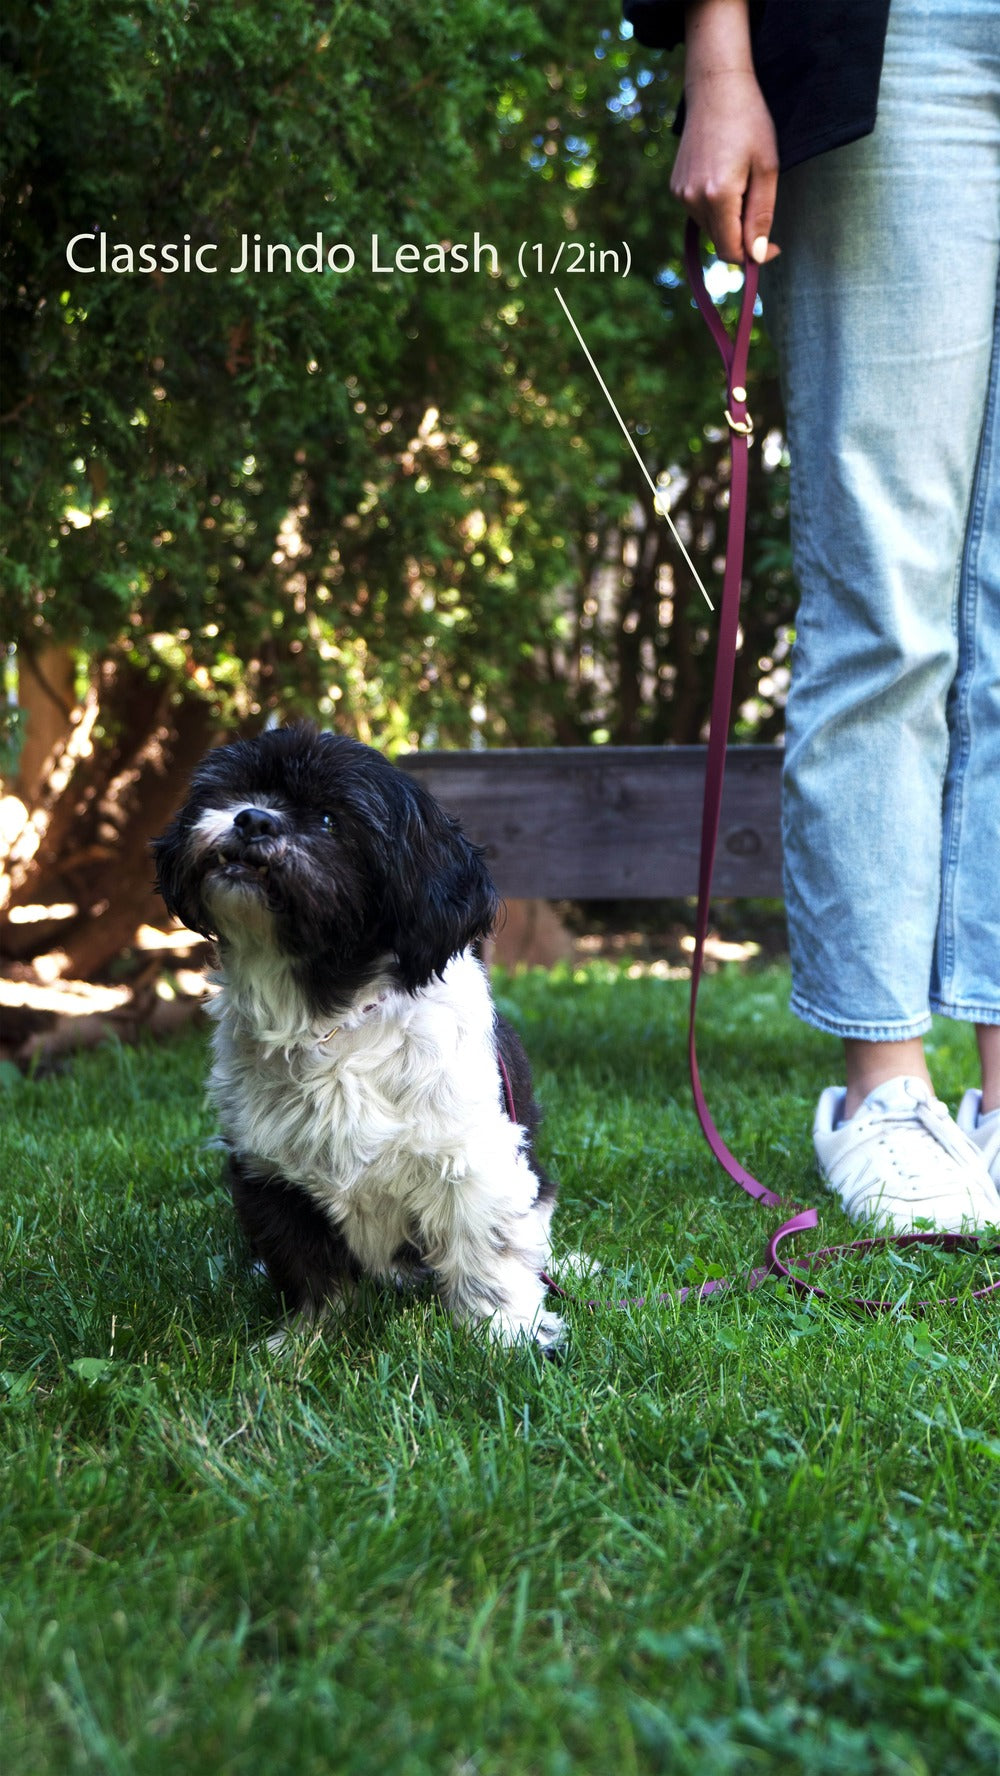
[(376, 1121), (322, 1120)]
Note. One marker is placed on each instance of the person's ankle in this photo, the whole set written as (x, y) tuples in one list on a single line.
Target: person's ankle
[(856, 1094), (988, 1040), (871, 1064)]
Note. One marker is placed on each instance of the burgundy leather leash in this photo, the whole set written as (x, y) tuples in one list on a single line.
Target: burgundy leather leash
[(735, 356)]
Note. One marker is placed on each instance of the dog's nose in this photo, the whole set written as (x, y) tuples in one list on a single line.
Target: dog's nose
[(257, 823)]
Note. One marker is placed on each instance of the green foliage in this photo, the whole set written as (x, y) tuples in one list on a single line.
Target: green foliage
[(391, 498), (717, 1538)]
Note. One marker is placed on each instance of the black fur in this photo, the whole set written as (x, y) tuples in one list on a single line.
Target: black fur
[(306, 1259), (526, 1110), (366, 862)]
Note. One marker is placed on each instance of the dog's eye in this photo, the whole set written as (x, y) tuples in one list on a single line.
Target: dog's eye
[(327, 821)]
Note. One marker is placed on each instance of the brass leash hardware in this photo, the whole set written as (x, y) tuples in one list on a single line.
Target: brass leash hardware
[(743, 426)]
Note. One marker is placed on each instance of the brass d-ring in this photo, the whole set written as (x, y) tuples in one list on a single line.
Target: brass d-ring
[(743, 426)]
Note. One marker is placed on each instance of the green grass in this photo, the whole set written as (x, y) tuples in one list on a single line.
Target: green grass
[(734, 1536)]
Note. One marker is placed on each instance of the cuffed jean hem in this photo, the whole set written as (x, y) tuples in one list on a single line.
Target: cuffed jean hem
[(966, 1014), (858, 1032)]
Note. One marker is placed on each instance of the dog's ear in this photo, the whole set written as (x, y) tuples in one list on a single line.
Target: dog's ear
[(174, 878), (440, 896)]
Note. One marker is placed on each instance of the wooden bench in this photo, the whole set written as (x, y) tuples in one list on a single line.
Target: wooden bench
[(611, 822)]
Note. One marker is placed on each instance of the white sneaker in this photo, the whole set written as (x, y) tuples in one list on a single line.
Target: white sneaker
[(901, 1160), (983, 1130)]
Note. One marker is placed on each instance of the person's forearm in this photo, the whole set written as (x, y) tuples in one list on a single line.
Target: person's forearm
[(727, 165), (717, 36)]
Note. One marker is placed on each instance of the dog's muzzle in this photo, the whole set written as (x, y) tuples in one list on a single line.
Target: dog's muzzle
[(252, 848)]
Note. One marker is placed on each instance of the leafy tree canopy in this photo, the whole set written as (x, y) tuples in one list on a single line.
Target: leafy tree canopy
[(394, 498)]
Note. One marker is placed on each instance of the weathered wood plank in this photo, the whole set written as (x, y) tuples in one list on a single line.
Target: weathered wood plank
[(611, 823)]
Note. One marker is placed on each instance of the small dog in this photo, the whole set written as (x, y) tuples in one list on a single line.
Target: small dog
[(378, 1112)]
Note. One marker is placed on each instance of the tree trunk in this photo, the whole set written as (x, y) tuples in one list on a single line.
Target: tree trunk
[(47, 696), (116, 778)]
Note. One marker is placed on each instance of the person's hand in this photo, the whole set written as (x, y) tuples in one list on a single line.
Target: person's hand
[(726, 170)]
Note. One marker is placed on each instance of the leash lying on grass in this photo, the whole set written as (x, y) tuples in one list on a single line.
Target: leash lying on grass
[(798, 1271)]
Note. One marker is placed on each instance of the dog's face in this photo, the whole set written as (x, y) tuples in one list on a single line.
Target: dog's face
[(314, 844)]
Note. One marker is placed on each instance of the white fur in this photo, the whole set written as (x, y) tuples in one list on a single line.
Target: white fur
[(394, 1122)]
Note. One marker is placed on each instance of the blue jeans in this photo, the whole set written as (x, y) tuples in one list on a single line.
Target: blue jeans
[(884, 308)]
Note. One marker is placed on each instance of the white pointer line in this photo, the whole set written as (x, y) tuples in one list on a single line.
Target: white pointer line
[(630, 441)]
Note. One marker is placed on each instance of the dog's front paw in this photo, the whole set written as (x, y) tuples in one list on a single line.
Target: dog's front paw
[(309, 1322), (546, 1330), (549, 1333), (577, 1267)]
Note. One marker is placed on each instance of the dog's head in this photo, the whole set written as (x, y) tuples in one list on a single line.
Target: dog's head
[(315, 844)]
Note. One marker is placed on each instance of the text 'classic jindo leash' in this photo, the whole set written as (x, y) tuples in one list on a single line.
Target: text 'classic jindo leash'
[(797, 1272)]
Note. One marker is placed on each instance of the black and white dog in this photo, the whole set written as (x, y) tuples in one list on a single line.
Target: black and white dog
[(359, 1061)]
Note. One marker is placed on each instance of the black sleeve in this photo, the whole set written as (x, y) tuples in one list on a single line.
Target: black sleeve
[(659, 24), (818, 62)]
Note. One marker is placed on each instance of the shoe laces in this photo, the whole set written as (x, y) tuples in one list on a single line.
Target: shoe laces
[(931, 1117)]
